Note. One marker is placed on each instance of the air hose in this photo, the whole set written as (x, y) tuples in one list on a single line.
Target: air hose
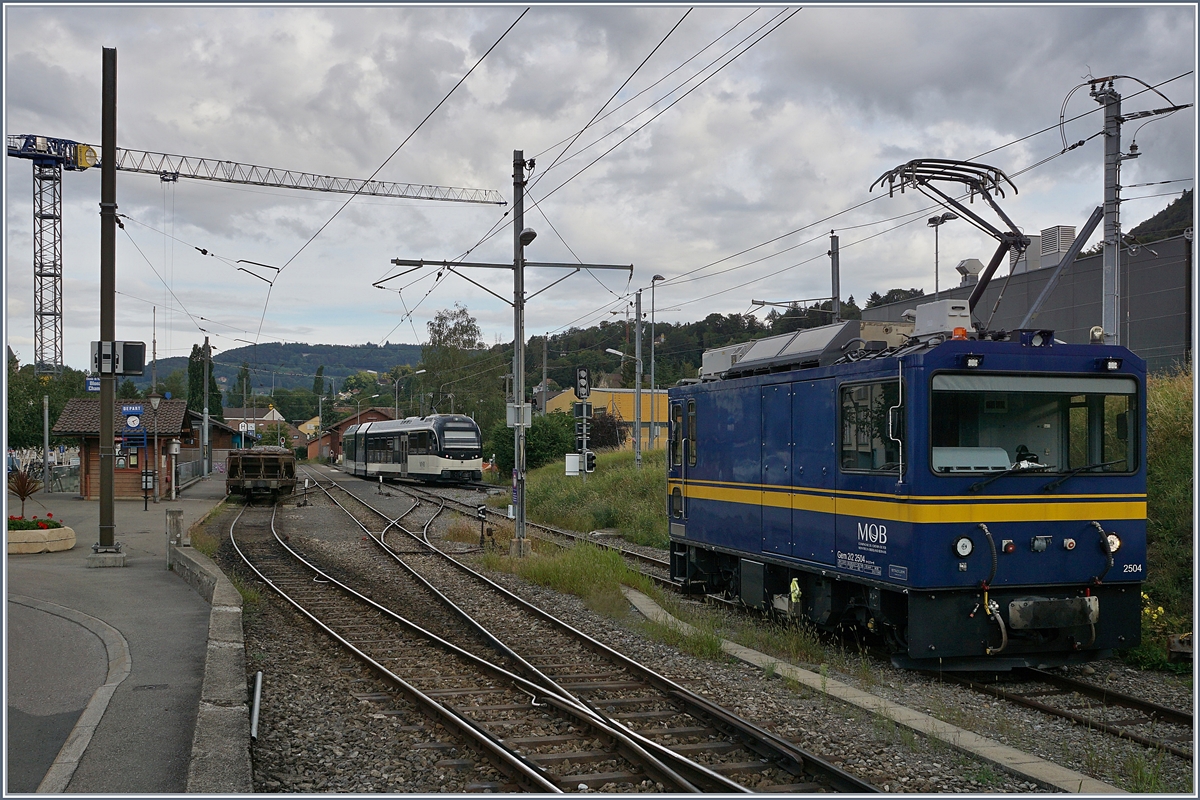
[(992, 608)]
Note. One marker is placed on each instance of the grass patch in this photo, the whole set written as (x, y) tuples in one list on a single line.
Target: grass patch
[(693, 641), (586, 571), (1167, 600), (617, 495), (250, 594)]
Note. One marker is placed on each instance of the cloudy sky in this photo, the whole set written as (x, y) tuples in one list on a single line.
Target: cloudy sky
[(778, 143)]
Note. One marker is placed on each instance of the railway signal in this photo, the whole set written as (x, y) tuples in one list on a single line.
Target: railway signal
[(583, 382), (589, 461)]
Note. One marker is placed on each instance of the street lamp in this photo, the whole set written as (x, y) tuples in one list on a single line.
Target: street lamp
[(653, 385), (155, 398), (935, 223), (358, 419), (402, 377)]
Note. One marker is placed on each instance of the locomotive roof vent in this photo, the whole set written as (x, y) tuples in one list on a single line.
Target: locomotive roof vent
[(940, 318), (809, 347)]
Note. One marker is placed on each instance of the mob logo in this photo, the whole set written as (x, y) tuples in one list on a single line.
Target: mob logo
[(872, 532)]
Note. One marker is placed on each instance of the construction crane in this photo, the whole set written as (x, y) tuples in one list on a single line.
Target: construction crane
[(51, 156)]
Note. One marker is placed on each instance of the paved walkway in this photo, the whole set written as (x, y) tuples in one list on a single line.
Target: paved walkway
[(105, 665)]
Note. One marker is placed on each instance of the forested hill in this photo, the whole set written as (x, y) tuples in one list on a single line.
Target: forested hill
[(1171, 221), (295, 364)]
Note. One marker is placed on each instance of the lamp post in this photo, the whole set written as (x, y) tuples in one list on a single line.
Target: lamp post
[(637, 434), (935, 223), (653, 385), (359, 416), (419, 372), (156, 398), (402, 377)]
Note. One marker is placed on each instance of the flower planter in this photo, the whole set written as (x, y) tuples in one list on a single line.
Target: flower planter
[(49, 540)]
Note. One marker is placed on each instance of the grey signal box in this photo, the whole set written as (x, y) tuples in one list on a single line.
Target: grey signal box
[(119, 358)]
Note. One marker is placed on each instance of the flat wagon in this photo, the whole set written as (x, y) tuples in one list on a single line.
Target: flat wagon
[(260, 472)]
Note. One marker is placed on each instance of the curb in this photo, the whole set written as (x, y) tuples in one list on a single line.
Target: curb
[(119, 665), (1029, 767), (220, 761)]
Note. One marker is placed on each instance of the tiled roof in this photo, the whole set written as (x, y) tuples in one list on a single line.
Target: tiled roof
[(82, 417), (198, 420)]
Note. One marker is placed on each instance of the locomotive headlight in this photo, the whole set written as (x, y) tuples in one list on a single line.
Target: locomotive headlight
[(963, 546), (1114, 543)]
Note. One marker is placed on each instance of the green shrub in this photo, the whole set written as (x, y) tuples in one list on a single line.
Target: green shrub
[(1169, 491)]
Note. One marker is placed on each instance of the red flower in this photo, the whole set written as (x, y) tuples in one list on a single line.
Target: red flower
[(43, 526), (49, 515), (35, 516)]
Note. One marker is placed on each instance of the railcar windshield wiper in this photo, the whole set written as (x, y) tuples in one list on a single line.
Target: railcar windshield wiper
[(1020, 466), (1054, 484)]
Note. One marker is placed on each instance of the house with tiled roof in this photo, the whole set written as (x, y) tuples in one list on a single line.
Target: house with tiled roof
[(135, 426)]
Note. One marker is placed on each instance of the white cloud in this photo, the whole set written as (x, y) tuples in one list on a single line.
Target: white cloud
[(790, 133)]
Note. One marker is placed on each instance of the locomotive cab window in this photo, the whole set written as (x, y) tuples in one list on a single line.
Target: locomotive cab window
[(676, 435), (872, 426), (992, 423)]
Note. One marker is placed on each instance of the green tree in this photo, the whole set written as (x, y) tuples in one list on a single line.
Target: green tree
[(318, 387), (195, 378), (25, 393), (127, 390), (456, 363), (548, 439), (893, 296), (241, 387), (196, 370), (176, 385), (360, 382)]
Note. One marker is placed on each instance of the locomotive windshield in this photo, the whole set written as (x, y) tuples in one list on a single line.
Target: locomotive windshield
[(460, 438), (991, 423)]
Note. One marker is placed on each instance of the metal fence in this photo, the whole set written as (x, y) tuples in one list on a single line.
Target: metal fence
[(187, 470), (64, 479)]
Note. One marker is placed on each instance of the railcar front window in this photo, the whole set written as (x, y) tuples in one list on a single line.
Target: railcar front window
[(460, 439), (990, 423), (868, 442)]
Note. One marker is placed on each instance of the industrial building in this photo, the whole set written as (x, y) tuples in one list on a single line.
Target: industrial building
[(1156, 295)]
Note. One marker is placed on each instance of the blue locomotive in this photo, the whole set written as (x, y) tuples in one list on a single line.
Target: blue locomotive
[(970, 500)]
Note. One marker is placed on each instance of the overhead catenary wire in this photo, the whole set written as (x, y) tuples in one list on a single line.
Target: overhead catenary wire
[(441, 102)]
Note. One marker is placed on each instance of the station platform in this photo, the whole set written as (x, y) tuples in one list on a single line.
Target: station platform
[(106, 665)]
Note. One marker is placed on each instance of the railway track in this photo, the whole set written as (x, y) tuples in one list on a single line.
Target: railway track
[(541, 740), (1089, 705), (655, 567), (709, 745)]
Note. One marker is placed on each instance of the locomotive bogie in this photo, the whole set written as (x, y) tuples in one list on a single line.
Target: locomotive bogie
[(960, 500)]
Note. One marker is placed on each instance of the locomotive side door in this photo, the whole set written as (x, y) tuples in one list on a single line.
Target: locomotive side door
[(776, 469), (814, 421), (403, 455), (677, 464)]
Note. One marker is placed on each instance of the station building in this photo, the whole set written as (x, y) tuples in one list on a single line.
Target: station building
[(135, 450)]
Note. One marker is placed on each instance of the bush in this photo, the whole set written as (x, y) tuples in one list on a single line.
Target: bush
[(548, 439), (1167, 592)]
